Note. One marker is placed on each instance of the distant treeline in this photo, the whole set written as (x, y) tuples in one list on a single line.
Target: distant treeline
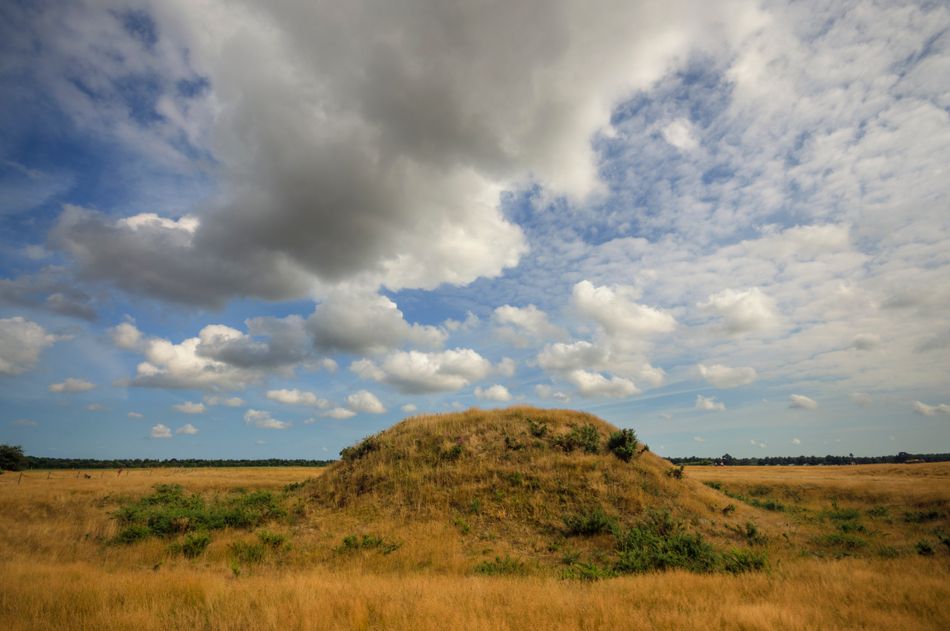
[(39, 462), (727, 460)]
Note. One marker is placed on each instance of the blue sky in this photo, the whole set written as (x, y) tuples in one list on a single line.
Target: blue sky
[(243, 229)]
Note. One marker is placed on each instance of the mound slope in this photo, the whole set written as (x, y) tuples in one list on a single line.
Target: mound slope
[(526, 481)]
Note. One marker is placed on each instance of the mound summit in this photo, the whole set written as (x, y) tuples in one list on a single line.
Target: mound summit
[(543, 487)]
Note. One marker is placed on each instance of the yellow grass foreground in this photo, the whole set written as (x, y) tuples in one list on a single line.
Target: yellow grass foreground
[(59, 571), (851, 594)]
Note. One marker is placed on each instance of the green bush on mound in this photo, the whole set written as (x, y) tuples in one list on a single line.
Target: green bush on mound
[(623, 444), (583, 437), (591, 523)]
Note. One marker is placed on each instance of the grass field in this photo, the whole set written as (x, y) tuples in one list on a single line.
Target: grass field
[(508, 519), (59, 571)]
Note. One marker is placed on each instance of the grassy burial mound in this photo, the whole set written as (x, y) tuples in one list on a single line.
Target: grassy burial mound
[(523, 490)]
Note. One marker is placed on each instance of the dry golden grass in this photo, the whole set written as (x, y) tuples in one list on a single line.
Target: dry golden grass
[(58, 569), (850, 594), (890, 499)]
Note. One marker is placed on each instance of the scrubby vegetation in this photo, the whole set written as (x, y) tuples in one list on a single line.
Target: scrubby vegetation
[(352, 543), (623, 444), (170, 510)]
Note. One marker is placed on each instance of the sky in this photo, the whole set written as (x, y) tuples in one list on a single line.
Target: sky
[(248, 229)]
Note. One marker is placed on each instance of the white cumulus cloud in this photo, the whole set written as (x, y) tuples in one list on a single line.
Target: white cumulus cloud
[(615, 309), (930, 410), (523, 326), (21, 342), (743, 310), (594, 384), (161, 431), (365, 401), (802, 402), (709, 404), (72, 385), (296, 397), (263, 419), (416, 372), (496, 392)]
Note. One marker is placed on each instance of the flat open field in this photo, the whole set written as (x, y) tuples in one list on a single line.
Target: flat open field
[(857, 547)]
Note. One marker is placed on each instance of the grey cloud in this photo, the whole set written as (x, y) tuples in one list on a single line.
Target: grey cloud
[(49, 290), (164, 261), (360, 140), (362, 323), (285, 343)]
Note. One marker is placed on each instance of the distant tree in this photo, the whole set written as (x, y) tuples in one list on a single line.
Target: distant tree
[(12, 458)]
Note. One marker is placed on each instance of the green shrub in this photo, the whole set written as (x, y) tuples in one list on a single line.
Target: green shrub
[(771, 505), (737, 561), (538, 429), (247, 553), (644, 551), (714, 485), (501, 566), (852, 526), (587, 572), (842, 514), (842, 541), (352, 543), (675, 472), (924, 548), (452, 454), (364, 447), (728, 509), (752, 534), (169, 511), (194, 544), (623, 444), (878, 511), (919, 517), (588, 524), (515, 478), (583, 437), (513, 444), (132, 533), (273, 540), (888, 552), (659, 543)]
